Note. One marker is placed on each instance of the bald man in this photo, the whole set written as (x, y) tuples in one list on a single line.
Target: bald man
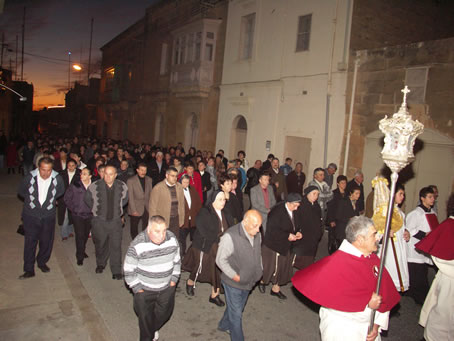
[(240, 259)]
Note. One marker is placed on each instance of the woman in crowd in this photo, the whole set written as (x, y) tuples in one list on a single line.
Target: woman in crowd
[(81, 213), (346, 209), (338, 194), (311, 227), (200, 260)]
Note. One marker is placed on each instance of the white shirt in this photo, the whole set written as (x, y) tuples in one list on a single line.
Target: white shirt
[(82, 165), (187, 196), (71, 175), (43, 188)]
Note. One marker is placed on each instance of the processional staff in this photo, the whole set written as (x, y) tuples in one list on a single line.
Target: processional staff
[(400, 136)]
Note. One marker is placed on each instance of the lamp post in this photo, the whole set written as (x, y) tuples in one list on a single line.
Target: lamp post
[(69, 70), (21, 98), (400, 136)]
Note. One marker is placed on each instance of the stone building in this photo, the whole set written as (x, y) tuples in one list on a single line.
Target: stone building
[(160, 79)]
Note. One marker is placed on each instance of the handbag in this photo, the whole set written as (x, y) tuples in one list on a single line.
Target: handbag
[(20, 229)]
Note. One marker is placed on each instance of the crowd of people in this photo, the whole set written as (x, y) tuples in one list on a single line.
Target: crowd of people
[(247, 227)]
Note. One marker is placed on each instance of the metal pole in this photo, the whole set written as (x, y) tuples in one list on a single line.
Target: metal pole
[(17, 47), (89, 53), (69, 70), (350, 116), (23, 42), (389, 214), (3, 47)]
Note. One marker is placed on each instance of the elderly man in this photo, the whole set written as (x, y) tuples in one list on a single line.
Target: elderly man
[(262, 198), (106, 199), (152, 269), (358, 180), (326, 194), (139, 191), (167, 200), (345, 286), (240, 260), (40, 190), (157, 168), (329, 174)]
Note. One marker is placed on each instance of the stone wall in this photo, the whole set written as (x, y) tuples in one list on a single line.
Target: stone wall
[(381, 76)]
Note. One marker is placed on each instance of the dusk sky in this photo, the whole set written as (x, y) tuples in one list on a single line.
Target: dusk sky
[(54, 27)]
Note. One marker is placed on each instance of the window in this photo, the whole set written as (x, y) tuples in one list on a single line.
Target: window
[(198, 46), (304, 32), (209, 52), (176, 51), (247, 36), (110, 74), (416, 80), (163, 69)]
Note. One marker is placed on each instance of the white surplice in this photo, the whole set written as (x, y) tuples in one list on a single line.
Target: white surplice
[(401, 253), (437, 313)]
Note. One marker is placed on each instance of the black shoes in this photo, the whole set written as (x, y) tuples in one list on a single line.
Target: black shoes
[(262, 287), (217, 300), (99, 269), (85, 255), (117, 276), (80, 262), (44, 268), (27, 274), (279, 294), (189, 289)]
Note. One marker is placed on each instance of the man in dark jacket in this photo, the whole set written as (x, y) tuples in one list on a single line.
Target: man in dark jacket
[(157, 168), (240, 259), (28, 154), (106, 199), (40, 190), (253, 175)]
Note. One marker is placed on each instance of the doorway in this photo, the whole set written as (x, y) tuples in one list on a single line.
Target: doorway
[(299, 150), (238, 136)]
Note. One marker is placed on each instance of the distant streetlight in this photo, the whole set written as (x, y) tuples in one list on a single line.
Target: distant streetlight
[(77, 67)]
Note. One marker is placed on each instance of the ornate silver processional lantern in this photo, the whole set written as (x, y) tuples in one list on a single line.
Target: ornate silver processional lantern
[(400, 135)]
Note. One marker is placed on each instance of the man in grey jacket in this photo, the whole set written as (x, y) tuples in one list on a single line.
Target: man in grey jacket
[(240, 259), (262, 197), (106, 199)]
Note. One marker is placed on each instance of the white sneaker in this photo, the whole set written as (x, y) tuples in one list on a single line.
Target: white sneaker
[(156, 336)]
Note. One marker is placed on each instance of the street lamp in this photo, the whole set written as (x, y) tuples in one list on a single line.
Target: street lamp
[(21, 98)]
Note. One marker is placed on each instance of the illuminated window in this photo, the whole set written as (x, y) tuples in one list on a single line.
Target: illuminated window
[(110, 74)]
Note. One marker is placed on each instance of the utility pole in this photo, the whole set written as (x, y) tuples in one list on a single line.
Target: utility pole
[(3, 47), (69, 70), (89, 53), (23, 39), (17, 47)]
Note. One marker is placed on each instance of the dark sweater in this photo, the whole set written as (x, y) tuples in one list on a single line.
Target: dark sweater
[(28, 190), (74, 200), (96, 198)]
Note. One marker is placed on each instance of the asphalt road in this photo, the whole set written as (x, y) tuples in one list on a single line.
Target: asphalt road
[(73, 303)]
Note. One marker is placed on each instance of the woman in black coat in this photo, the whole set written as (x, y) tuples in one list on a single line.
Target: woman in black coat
[(338, 194), (346, 209), (311, 228), (200, 260)]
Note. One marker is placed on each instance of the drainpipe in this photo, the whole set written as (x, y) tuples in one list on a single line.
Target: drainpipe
[(350, 115), (328, 90)]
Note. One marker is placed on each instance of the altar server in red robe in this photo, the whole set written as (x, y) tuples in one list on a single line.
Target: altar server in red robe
[(437, 314), (344, 285)]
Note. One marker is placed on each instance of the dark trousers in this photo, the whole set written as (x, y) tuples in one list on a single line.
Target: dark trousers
[(107, 238), (153, 310), (419, 283), (233, 316), (82, 227), (134, 222), (37, 230), (183, 236)]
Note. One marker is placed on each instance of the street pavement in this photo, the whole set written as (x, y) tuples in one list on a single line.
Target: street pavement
[(73, 303)]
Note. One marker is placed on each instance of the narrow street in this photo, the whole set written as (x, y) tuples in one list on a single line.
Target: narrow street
[(74, 303)]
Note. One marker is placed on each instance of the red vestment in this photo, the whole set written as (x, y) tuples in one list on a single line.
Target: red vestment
[(432, 220), (440, 241), (346, 282)]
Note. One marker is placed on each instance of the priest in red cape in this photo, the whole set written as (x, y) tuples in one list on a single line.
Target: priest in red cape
[(344, 285), (437, 313)]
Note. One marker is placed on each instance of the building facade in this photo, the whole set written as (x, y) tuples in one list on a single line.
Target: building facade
[(284, 80), (161, 77)]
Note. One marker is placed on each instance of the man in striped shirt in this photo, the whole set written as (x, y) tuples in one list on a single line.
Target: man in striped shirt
[(152, 269)]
